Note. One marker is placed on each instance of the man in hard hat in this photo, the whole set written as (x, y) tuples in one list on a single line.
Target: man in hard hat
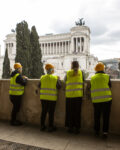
[(101, 98), (49, 84), (17, 83), (74, 93)]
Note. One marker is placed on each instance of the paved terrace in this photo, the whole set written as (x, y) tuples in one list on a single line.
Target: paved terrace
[(60, 140)]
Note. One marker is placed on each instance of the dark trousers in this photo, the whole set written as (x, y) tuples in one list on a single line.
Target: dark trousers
[(73, 112), (48, 107), (16, 101), (104, 110)]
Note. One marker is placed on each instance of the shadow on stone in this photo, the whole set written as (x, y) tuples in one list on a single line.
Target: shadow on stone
[(7, 145)]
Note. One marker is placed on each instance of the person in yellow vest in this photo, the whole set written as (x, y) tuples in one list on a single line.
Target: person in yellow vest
[(49, 84), (16, 91), (101, 98), (74, 93)]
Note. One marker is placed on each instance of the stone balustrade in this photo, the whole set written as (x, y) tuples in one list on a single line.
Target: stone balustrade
[(31, 106)]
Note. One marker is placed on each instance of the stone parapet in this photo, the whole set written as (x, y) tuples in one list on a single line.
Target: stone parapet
[(31, 106)]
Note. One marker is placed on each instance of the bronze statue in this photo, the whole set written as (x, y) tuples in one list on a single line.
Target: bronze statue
[(80, 22)]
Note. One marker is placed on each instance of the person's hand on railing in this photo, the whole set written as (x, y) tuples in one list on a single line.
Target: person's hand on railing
[(24, 77)]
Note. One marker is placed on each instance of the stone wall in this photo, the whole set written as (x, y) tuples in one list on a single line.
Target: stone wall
[(31, 106)]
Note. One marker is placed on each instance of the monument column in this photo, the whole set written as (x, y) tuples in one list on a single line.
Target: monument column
[(56, 47), (80, 45), (65, 48), (44, 47), (50, 49), (76, 44), (69, 46), (47, 47), (59, 48), (62, 47), (53, 49), (41, 47)]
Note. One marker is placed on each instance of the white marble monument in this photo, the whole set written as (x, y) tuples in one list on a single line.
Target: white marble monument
[(61, 49)]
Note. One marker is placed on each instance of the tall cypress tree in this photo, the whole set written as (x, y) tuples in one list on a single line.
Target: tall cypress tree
[(6, 66), (36, 56), (23, 47)]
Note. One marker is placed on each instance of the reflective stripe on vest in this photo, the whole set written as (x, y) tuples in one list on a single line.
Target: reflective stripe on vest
[(15, 88), (48, 94), (100, 97), (100, 91), (74, 90), (74, 84), (48, 89), (15, 85)]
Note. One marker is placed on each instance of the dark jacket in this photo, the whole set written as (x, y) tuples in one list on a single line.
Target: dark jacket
[(19, 78)]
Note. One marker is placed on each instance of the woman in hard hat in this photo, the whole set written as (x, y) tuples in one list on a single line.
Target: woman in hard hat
[(49, 84), (101, 98), (74, 93), (17, 83)]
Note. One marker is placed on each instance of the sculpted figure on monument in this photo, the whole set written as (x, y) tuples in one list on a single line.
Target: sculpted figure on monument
[(80, 22)]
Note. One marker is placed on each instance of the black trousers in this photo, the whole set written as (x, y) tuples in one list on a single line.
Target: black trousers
[(16, 101), (73, 112), (103, 109), (48, 107)]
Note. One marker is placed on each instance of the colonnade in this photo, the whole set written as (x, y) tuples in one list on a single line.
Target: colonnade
[(78, 44), (61, 47)]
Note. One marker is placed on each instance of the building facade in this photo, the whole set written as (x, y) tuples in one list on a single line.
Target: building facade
[(61, 49), (112, 67)]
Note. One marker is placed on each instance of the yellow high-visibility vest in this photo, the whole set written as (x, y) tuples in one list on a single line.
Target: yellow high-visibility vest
[(74, 84), (48, 90), (100, 91), (15, 88)]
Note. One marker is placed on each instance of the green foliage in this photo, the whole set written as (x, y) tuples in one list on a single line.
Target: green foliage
[(36, 56), (28, 51), (23, 47), (6, 66)]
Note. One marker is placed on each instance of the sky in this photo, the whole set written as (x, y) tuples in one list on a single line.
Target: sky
[(58, 16)]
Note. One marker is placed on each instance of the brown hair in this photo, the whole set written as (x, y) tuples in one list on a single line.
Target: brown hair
[(75, 67)]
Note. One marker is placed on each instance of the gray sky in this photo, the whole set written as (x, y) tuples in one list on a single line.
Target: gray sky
[(58, 16)]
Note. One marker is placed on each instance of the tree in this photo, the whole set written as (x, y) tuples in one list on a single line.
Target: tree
[(36, 56), (23, 47), (6, 66)]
